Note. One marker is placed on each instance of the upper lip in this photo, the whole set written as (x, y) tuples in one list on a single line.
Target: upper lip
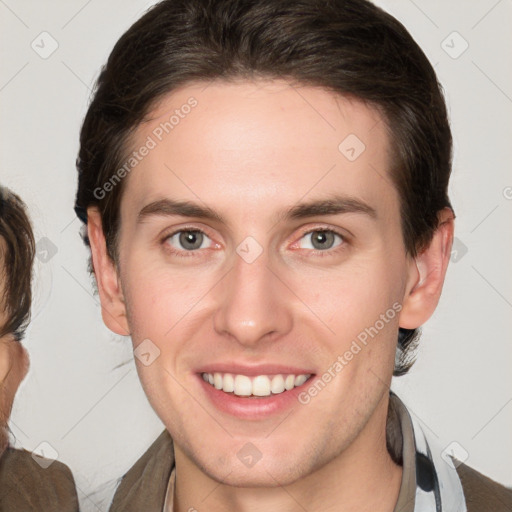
[(254, 370)]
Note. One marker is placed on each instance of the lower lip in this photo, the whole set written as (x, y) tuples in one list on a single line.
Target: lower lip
[(252, 408)]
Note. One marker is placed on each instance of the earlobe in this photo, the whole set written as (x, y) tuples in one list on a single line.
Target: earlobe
[(427, 274), (113, 308)]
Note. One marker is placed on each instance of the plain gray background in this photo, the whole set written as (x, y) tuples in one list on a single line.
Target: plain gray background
[(82, 401)]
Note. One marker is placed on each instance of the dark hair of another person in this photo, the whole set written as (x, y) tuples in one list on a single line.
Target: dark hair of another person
[(349, 47), (17, 251)]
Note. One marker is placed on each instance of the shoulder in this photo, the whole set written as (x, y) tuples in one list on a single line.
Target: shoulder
[(28, 483), (144, 486), (483, 494)]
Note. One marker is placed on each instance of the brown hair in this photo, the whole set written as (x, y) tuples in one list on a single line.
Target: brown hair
[(17, 251), (349, 47)]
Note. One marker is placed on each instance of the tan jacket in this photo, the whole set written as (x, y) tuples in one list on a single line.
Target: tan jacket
[(26, 486)]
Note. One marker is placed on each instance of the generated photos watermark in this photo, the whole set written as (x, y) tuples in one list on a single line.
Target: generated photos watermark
[(152, 141), (344, 359)]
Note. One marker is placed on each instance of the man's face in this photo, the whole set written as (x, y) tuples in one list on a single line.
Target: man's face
[(256, 292)]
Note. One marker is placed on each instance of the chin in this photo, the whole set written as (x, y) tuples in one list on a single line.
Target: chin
[(249, 468), (257, 476)]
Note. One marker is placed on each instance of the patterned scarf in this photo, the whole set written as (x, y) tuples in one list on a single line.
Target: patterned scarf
[(438, 486)]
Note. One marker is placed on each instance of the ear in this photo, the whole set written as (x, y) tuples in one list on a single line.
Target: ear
[(426, 275), (113, 307)]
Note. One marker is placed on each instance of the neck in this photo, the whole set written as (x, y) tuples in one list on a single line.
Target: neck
[(363, 477)]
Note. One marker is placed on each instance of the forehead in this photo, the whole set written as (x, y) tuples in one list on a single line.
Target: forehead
[(258, 144)]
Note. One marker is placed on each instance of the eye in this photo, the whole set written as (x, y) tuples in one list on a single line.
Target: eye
[(321, 240), (188, 240)]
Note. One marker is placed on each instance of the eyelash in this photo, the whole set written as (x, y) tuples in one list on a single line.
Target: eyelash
[(316, 252)]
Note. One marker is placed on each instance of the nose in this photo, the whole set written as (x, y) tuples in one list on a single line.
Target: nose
[(254, 305)]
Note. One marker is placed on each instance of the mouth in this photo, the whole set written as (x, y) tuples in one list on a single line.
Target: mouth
[(258, 386), (253, 392)]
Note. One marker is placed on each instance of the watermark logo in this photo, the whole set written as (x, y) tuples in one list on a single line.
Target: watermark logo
[(454, 45), (45, 45), (249, 455), (454, 454), (151, 142), (45, 249), (344, 359), (146, 352), (351, 147), (249, 249), (45, 454), (459, 250)]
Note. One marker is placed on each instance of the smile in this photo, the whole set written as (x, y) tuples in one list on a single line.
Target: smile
[(257, 386)]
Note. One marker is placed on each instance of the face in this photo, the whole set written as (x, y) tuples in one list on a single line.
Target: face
[(13, 365), (283, 261)]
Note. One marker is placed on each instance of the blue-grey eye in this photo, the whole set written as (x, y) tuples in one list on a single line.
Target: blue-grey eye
[(189, 240), (321, 240)]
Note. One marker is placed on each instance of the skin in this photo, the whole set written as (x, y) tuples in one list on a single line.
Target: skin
[(249, 150), (14, 364), (13, 369)]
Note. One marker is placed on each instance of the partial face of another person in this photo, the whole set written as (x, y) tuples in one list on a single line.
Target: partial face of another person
[(13, 362), (293, 250)]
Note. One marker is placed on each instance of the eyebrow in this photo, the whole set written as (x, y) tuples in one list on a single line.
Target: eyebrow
[(333, 205)]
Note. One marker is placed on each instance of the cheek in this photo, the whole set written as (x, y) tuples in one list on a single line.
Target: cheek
[(158, 299), (14, 365), (360, 306), (351, 298), (153, 307)]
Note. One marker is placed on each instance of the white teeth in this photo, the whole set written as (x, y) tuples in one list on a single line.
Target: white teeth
[(277, 384), (228, 384), (217, 380), (243, 386), (289, 382), (300, 379), (261, 385)]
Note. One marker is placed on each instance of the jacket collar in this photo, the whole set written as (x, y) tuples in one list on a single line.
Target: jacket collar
[(145, 485)]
